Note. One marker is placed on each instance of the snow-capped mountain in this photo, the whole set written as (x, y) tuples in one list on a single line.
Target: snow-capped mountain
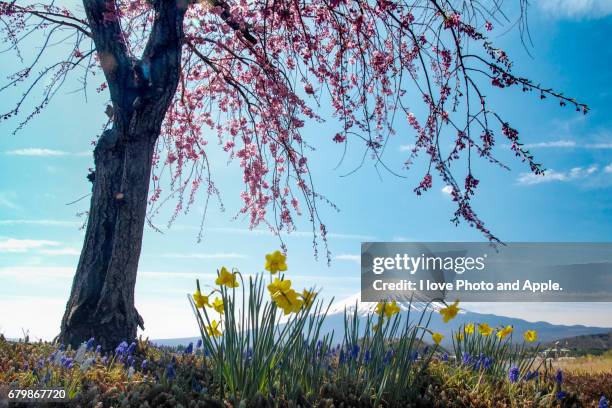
[(365, 308)]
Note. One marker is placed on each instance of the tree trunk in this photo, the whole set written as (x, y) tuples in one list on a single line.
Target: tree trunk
[(101, 303)]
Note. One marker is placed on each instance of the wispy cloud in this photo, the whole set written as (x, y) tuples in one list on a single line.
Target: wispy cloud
[(180, 227), (42, 223), (8, 199), (406, 148), (608, 168), (599, 146), (349, 257), (576, 173), (447, 190), (568, 144), (555, 143), (346, 236), (198, 255), (266, 232), (68, 251), (173, 275), (576, 8), (13, 245), (42, 152), (36, 273)]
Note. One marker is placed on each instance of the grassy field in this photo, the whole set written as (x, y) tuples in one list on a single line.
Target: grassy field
[(587, 365)]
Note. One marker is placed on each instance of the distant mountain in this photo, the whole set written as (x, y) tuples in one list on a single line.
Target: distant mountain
[(547, 332), (334, 322), (591, 343)]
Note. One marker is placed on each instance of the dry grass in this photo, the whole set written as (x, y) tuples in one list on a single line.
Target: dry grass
[(586, 365)]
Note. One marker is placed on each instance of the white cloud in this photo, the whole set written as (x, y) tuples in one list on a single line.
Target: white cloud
[(576, 8), (42, 223), (608, 168), (556, 143), (7, 199), (42, 152), (348, 257), (447, 190), (599, 146), (39, 273), (267, 232), (60, 252), (579, 172), (174, 275), (576, 173), (197, 255), (406, 148), (36, 273), (346, 236), (568, 144), (23, 245), (36, 152)]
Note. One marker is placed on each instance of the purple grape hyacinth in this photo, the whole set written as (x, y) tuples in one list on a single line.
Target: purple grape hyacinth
[(513, 374), (559, 377), (121, 348), (170, 372)]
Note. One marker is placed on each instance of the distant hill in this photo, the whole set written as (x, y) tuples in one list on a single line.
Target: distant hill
[(547, 332), (588, 343)]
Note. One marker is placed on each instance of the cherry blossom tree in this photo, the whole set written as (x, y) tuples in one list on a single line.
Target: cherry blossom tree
[(246, 75)]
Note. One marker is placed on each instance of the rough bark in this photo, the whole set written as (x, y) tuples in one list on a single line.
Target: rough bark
[(101, 303)]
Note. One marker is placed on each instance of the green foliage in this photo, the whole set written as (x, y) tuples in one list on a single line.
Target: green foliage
[(380, 362), (258, 351), (492, 354)]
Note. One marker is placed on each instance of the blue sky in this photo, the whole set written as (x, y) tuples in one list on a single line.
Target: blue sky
[(44, 167)]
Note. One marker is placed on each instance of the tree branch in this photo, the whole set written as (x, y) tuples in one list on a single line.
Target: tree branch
[(103, 19)]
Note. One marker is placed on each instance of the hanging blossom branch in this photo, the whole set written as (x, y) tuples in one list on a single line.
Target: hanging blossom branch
[(255, 71)]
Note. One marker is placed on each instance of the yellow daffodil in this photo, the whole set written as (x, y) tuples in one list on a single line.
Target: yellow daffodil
[(501, 334), (308, 297), (530, 335), (448, 313), (288, 301), (199, 299), (218, 305), (278, 285), (227, 278), (469, 328), (388, 309), (484, 329), (459, 336), (213, 329), (275, 262), (437, 338)]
